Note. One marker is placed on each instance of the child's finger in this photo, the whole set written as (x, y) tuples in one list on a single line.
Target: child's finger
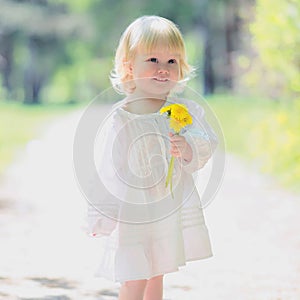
[(177, 138), (180, 143), (177, 148), (175, 153)]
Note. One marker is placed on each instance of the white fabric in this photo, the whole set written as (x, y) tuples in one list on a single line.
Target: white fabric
[(147, 231)]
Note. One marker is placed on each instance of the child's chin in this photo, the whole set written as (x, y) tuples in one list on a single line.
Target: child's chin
[(163, 85)]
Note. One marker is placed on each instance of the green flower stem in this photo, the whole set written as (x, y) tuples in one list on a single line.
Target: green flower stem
[(169, 175)]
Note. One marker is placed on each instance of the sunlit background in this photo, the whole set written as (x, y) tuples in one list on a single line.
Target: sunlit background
[(56, 56)]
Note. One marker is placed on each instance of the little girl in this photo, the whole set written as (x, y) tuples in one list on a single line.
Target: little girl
[(149, 231)]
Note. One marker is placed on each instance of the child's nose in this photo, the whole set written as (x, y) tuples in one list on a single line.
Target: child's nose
[(163, 70)]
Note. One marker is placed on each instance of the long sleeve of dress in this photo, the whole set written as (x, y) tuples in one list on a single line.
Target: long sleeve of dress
[(103, 208), (200, 137)]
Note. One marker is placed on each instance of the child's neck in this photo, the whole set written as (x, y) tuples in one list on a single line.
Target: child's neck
[(143, 105)]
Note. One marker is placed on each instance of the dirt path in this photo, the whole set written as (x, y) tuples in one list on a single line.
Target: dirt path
[(45, 254)]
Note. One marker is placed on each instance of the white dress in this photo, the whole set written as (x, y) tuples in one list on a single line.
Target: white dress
[(148, 232)]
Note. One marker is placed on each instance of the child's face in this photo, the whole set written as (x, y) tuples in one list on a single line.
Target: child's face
[(155, 73)]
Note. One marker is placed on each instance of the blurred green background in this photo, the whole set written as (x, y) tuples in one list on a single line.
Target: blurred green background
[(56, 55)]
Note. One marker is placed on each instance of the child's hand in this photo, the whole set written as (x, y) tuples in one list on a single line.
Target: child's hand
[(180, 147)]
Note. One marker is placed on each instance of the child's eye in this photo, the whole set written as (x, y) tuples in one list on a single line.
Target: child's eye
[(172, 61), (153, 59)]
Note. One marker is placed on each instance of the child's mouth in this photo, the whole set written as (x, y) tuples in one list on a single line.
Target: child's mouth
[(161, 79)]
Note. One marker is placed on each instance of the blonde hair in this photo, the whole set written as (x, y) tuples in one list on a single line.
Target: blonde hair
[(147, 33)]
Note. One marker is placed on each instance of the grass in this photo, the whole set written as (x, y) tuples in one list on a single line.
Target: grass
[(258, 130), (237, 117), (20, 123), (263, 131)]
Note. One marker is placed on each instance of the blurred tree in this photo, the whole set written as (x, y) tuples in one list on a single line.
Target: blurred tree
[(221, 23), (276, 38), (7, 41), (42, 30)]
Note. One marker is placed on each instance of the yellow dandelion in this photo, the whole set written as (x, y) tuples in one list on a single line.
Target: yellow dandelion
[(179, 118)]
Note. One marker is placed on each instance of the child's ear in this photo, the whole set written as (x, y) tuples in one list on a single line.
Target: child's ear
[(128, 67)]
